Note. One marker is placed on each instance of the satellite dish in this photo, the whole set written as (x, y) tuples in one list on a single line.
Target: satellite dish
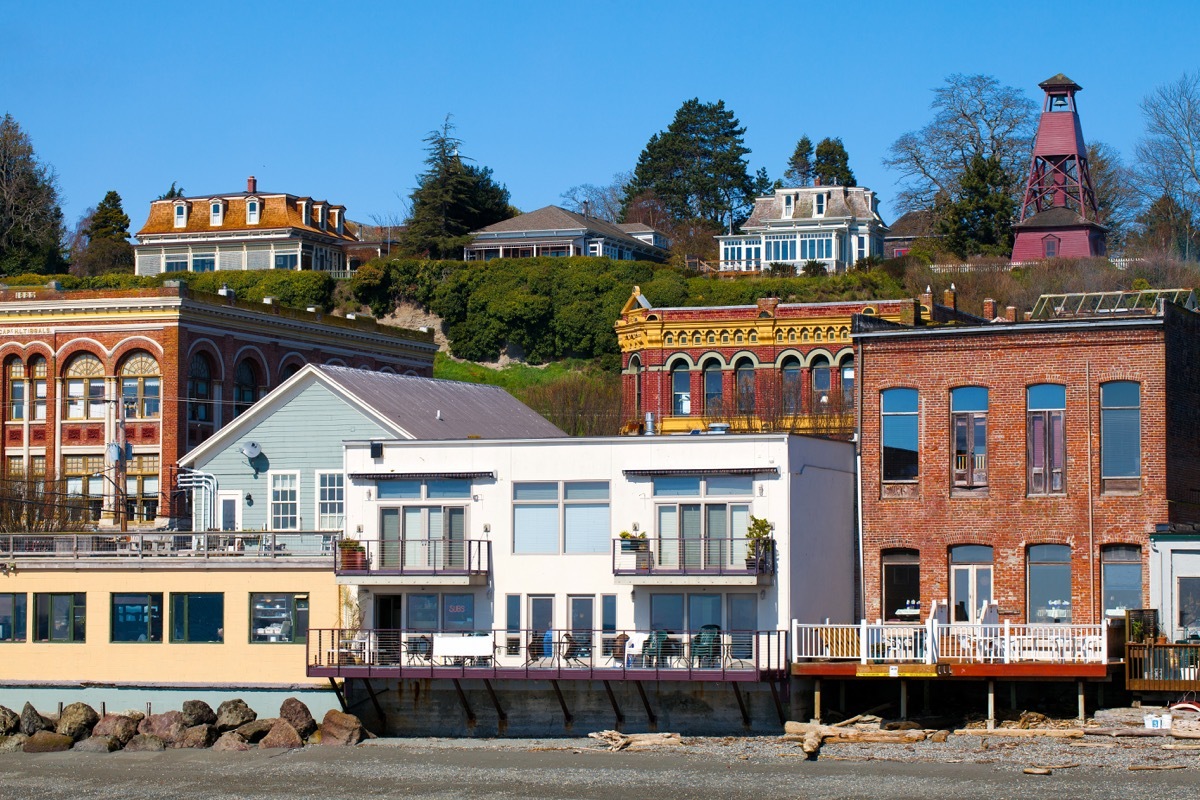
[(251, 450)]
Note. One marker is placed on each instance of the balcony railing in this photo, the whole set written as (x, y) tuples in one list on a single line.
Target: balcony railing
[(1162, 667), (709, 654), (935, 643), (267, 544), (417, 557), (687, 556)]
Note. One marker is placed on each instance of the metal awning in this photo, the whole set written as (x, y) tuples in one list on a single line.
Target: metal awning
[(419, 476), (657, 473)]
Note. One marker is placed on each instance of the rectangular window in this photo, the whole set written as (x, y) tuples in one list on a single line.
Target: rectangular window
[(968, 413), (198, 617), (1121, 579), (252, 212), (512, 613), (1049, 583), (137, 617), (819, 205), (1120, 436), (586, 526), (1045, 448), (12, 618), (1189, 605), (141, 487), (60, 617), (458, 612), (285, 504), (85, 485), (608, 613), (16, 398), (39, 401), (204, 263), (331, 499), (535, 521), (278, 617), (579, 523), (286, 261), (180, 215), (422, 612), (898, 423), (177, 263)]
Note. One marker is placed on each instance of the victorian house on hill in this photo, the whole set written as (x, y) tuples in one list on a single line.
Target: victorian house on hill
[(554, 231), (244, 230)]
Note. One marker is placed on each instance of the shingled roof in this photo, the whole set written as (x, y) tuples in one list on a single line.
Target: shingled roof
[(557, 220), (278, 211)]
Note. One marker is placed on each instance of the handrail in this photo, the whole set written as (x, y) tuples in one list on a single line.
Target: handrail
[(663, 555), (153, 544), (414, 557)]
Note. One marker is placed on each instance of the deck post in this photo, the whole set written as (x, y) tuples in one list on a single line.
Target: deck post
[(1012, 695), (462, 699), (1007, 643), (650, 716), (863, 645), (991, 695), (903, 699), (1082, 710), (612, 699), (816, 700), (925, 697)]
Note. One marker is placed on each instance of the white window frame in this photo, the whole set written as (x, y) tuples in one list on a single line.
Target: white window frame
[(320, 500), (216, 213), (272, 502), (563, 503), (252, 217), (819, 201), (181, 215)]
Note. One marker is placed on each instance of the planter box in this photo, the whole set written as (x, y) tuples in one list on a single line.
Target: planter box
[(634, 545)]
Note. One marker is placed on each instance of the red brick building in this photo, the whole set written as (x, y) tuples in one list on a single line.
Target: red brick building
[(1025, 463), (179, 364)]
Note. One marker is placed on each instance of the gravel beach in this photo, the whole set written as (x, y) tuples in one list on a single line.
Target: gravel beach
[(732, 767)]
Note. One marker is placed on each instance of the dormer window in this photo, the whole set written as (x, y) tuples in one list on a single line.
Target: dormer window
[(181, 215), (338, 223), (320, 209), (305, 213), (788, 206), (253, 206), (216, 213), (819, 205)]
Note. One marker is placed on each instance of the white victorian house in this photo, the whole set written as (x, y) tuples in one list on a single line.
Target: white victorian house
[(835, 225)]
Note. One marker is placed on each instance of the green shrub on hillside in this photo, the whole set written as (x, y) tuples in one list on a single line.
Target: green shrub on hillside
[(293, 288)]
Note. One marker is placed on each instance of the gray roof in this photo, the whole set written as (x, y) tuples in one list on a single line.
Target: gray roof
[(427, 408), (844, 201), (1056, 217), (554, 218)]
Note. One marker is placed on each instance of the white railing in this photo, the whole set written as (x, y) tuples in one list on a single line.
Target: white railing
[(934, 642)]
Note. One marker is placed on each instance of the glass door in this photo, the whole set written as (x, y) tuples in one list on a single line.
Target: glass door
[(971, 587), (742, 618), (389, 538)]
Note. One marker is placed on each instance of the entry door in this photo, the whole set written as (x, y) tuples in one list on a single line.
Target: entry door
[(387, 612), (230, 509), (970, 587), (742, 622)]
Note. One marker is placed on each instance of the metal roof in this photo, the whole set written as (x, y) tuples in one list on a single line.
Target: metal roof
[(1146, 302)]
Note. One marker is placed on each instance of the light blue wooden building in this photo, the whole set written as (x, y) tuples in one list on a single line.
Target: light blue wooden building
[(278, 467)]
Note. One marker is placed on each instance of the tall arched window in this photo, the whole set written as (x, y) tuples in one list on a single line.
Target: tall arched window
[(635, 367), (245, 386), (1120, 436), (37, 369), (968, 412), (140, 386), (820, 384), (85, 387), (847, 375), (199, 389), (16, 389), (714, 395), (289, 370), (791, 386), (970, 581), (681, 389), (745, 386), (1045, 409)]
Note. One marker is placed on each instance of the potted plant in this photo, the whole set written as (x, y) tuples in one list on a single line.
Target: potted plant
[(759, 544), (633, 542), (352, 555)]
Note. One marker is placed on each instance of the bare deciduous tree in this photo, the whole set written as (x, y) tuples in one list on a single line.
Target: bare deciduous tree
[(603, 202), (1117, 196), (1169, 154)]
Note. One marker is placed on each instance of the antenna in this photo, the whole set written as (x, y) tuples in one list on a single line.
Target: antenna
[(251, 450)]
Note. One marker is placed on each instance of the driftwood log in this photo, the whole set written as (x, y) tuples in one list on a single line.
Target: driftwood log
[(810, 736), (1053, 733), (637, 741)]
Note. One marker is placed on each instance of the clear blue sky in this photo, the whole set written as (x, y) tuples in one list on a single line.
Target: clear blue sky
[(332, 99)]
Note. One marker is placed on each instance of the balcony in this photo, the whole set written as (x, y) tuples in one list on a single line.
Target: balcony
[(97, 549), (1162, 667), (687, 561), (706, 655), (415, 561)]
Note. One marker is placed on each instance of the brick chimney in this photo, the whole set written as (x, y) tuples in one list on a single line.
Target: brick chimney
[(950, 298), (767, 304), (927, 297), (816, 180), (251, 185), (1010, 313), (989, 309)]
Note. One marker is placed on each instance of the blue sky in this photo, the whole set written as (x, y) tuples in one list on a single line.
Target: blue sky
[(332, 99)]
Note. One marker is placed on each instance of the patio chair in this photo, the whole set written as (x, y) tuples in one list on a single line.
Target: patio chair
[(706, 647), (575, 652), (654, 651), (418, 649)]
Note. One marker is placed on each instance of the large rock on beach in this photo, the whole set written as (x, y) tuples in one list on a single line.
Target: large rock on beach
[(198, 712), (252, 732), (230, 742), (282, 734), (13, 743), (233, 714), (98, 744), (119, 726), (77, 721), (10, 721), (145, 743), (47, 742), (198, 736), (32, 721), (298, 716), (341, 729), (167, 726)]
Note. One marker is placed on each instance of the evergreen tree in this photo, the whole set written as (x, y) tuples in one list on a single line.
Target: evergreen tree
[(800, 166), (979, 221), (109, 221), (697, 166), (31, 221), (763, 185), (171, 193), (451, 200), (832, 164)]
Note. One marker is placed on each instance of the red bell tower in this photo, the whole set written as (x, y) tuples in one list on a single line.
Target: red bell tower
[(1058, 213)]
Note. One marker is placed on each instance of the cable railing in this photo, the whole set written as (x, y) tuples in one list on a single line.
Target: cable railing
[(706, 654), (141, 545), (414, 557), (662, 555)]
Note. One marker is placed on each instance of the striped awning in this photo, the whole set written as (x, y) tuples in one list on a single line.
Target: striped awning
[(657, 473), (419, 476)]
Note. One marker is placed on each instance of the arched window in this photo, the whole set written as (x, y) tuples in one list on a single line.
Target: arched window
[(16, 389), (1045, 409), (635, 367), (820, 383), (1120, 436), (970, 581), (85, 387), (745, 387), (37, 369), (681, 389), (901, 584), (1121, 578), (847, 375), (245, 386), (292, 369), (199, 389), (713, 389), (791, 386), (898, 410), (140, 386)]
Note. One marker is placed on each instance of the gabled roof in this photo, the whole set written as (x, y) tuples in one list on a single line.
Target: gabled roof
[(553, 218), (409, 407)]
